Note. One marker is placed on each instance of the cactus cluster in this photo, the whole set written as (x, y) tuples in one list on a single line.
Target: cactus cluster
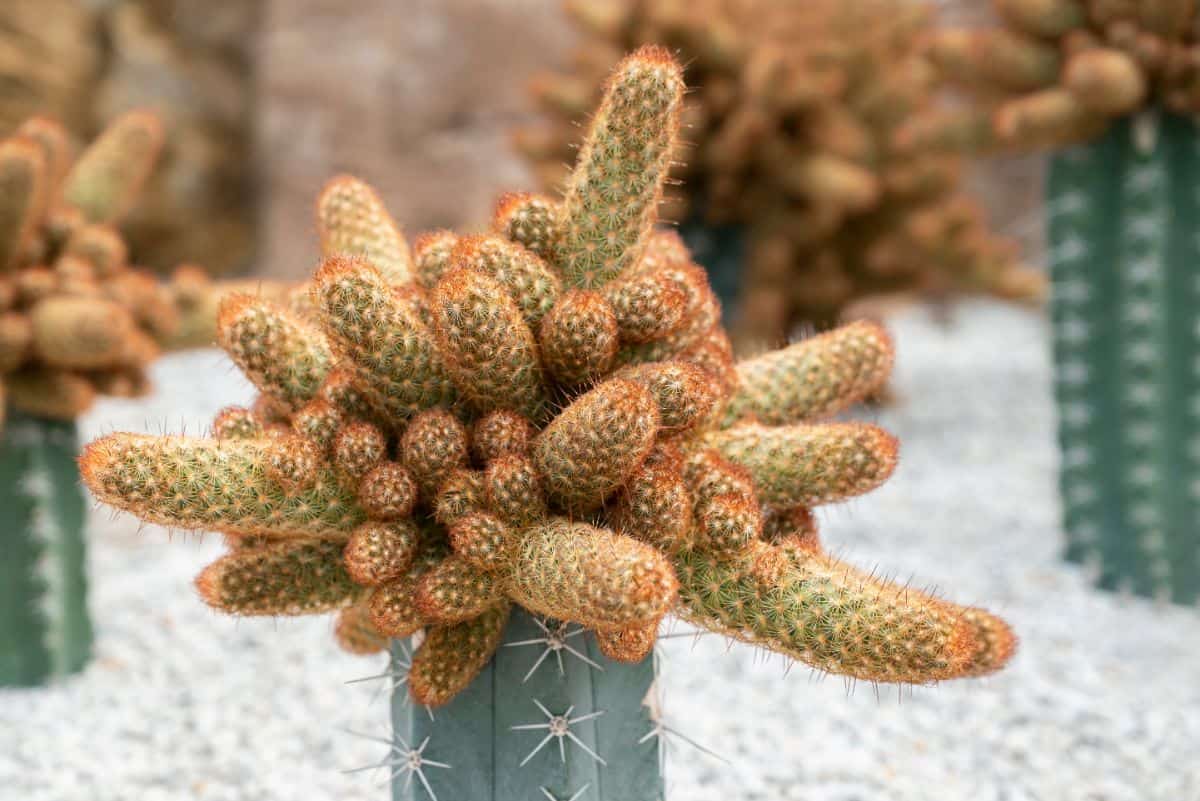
[(1057, 72), (545, 415), (789, 135), (76, 320)]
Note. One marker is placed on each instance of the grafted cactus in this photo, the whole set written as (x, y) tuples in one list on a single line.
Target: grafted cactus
[(789, 164), (545, 418), (1109, 88), (76, 321)]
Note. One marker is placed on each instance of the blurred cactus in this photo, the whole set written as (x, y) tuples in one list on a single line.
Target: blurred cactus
[(1109, 88), (1124, 264), (1056, 72), (76, 321), (789, 135), (547, 416), (45, 631), (189, 60)]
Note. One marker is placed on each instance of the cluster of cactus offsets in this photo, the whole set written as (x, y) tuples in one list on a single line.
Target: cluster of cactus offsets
[(545, 415), (76, 320), (1058, 72), (789, 134)]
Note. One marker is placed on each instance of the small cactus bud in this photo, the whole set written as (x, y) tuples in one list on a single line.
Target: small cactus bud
[(284, 579), (629, 645), (573, 571), (380, 552), (461, 493), (500, 433), (106, 179), (579, 337), (455, 590), (434, 445), (282, 355), (431, 256), (357, 448), (490, 352), (388, 492), (483, 541), (528, 219), (451, 656), (236, 422), (514, 490)]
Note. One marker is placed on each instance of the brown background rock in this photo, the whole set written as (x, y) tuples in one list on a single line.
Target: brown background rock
[(416, 97)]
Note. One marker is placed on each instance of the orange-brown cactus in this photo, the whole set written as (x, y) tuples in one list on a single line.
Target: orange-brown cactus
[(466, 450), (76, 320)]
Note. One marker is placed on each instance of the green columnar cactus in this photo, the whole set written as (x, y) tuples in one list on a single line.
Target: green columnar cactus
[(1125, 258), (45, 631), (547, 420)]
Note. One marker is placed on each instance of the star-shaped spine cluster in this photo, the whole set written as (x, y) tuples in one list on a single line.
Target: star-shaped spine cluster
[(548, 415)]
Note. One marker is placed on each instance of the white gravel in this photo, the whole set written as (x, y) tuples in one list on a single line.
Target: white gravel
[(1102, 703)]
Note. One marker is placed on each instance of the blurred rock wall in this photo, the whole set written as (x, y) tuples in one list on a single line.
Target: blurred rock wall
[(415, 96)]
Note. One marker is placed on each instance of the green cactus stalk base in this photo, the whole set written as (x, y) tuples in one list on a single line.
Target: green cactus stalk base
[(45, 632), (475, 736), (1125, 260)]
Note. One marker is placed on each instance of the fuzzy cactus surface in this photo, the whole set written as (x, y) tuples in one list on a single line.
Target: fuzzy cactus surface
[(789, 162), (545, 419), (1109, 90)]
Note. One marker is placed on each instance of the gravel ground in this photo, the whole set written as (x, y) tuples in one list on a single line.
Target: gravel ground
[(1102, 703)]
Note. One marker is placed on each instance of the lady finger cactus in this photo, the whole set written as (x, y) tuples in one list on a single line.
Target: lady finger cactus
[(542, 434)]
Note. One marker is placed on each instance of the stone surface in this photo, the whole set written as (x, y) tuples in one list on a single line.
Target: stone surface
[(416, 97), (1100, 704)]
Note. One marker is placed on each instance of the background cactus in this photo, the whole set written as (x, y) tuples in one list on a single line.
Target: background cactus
[(45, 631), (1106, 86), (1125, 253), (547, 419), (790, 136), (1056, 72), (76, 321), (87, 63)]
